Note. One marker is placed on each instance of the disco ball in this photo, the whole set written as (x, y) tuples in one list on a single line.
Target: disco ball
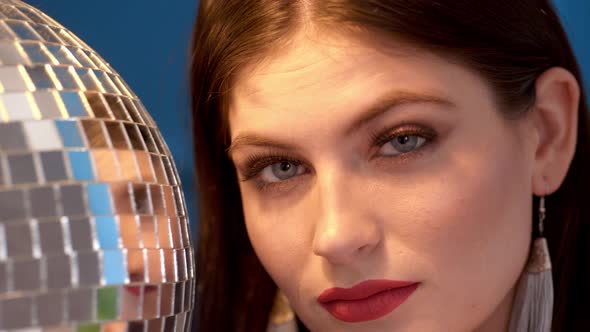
[(94, 233)]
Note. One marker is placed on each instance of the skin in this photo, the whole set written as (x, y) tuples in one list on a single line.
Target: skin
[(453, 214)]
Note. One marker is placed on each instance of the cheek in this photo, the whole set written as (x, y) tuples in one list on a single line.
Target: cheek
[(489, 205), (280, 248), (470, 225), (471, 204)]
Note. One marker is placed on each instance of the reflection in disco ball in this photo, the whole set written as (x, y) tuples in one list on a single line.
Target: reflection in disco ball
[(93, 229)]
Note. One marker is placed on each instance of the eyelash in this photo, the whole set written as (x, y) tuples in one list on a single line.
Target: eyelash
[(255, 163), (381, 137)]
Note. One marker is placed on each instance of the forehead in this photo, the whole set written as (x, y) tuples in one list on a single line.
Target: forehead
[(316, 78), (298, 68)]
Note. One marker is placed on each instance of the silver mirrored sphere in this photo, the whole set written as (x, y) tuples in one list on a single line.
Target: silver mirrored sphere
[(94, 235)]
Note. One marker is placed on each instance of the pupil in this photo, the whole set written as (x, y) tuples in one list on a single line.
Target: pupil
[(403, 139), (285, 166)]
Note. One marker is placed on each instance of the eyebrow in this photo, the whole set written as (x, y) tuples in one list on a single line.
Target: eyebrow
[(384, 104)]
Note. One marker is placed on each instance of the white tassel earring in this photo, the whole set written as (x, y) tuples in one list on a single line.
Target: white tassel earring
[(532, 309)]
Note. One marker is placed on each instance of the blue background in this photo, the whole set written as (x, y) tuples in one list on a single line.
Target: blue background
[(146, 41)]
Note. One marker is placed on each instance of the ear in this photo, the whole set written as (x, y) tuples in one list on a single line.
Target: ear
[(555, 119)]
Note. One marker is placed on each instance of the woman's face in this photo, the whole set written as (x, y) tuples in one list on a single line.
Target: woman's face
[(360, 165)]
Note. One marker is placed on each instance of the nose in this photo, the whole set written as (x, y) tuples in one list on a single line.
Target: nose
[(346, 229)]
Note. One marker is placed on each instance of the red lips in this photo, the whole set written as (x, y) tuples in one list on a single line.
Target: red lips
[(367, 300)]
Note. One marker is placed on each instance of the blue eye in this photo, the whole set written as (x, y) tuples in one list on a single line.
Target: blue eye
[(402, 144), (281, 171)]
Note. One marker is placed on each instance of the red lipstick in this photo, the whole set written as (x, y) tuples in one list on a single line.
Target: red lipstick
[(367, 300)]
